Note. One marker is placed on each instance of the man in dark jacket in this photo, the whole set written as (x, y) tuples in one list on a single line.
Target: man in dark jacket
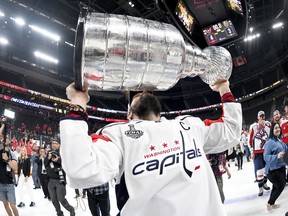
[(57, 182), (42, 173)]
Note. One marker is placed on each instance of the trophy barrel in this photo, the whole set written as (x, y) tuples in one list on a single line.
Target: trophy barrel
[(122, 52)]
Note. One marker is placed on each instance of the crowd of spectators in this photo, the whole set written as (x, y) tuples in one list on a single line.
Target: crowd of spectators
[(22, 133)]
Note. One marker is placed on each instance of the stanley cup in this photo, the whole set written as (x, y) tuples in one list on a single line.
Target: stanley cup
[(117, 53)]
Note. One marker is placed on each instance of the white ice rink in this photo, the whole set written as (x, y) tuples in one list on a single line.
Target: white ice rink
[(241, 198)]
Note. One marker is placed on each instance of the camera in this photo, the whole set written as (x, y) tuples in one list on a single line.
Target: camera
[(8, 117), (61, 175), (54, 154), (214, 160)]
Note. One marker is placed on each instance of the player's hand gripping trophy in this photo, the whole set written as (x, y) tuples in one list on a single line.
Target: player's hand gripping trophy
[(117, 53)]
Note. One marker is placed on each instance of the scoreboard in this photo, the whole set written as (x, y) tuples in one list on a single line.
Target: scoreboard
[(219, 32), (208, 22)]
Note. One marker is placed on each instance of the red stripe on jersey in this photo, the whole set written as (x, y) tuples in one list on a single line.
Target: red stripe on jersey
[(197, 167), (260, 151), (227, 97), (75, 115), (208, 122), (95, 137), (251, 137)]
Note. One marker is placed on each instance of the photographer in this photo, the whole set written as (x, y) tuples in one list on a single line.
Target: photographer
[(56, 180), (8, 163), (219, 167), (42, 173)]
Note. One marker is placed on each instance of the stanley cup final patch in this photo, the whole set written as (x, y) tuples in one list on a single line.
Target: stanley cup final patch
[(133, 133)]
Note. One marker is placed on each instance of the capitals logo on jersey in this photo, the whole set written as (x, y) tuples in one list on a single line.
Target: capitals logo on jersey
[(260, 138), (178, 157)]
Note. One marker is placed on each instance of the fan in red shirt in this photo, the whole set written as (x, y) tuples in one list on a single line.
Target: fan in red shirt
[(29, 147), (21, 143), (14, 143), (284, 126), (30, 142), (29, 150), (44, 128), (284, 122)]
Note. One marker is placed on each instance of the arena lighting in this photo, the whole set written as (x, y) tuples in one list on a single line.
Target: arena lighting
[(19, 21), (251, 37), (2, 14), (45, 57), (45, 32), (70, 44), (3, 41), (277, 25)]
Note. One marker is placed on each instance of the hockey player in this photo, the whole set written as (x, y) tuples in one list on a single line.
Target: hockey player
[(160, 164)]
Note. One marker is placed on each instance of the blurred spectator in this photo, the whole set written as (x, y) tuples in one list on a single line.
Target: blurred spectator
[(245, 142), (23, 127), (84, 191), (275, 165), (21, 143), (239, 155), (42, 173), (259, 133), (14, 143), (12, 126), (56, 180), (98, 200), (35, 148), (276, 116), (44, 128), (29, 150), (219, 167), (30, 142), (7, 192), (35, 177), (29, 146), (17, 152), (24, 166), (47, 148), (49, 130), (37, 128)]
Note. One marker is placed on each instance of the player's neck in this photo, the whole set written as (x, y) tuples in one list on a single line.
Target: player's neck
[(150, 117)]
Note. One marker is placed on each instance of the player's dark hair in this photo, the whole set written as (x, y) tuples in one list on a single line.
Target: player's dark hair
[(146, 104)]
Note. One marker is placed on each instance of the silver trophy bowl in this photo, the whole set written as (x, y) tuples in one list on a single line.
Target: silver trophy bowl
[(118, 53)]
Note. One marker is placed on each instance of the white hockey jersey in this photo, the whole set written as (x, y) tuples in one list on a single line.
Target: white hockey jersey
[(164, 163), (258, 136)]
